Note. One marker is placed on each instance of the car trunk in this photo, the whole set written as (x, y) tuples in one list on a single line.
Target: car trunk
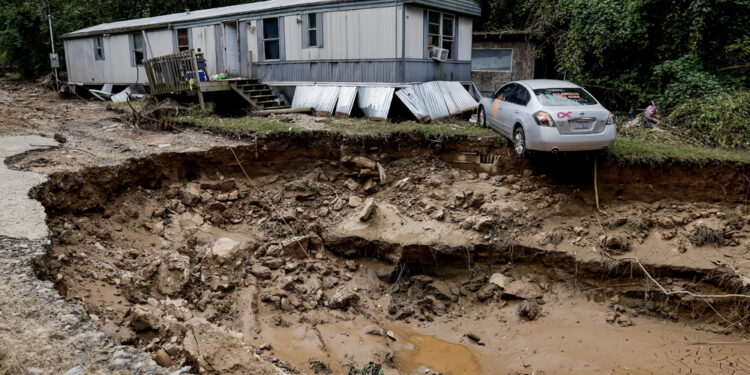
[(579, 119)]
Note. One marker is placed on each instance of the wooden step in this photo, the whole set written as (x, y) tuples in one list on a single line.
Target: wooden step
[(267, 102), (259, 92), (277, 107), (263, 97)]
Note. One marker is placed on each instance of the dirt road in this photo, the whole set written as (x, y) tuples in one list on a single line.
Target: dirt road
[(337, 256)]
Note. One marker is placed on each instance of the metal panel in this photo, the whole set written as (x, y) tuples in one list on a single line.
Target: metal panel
[(432, 97), (458, 99), (375, 101), (326, 98), (347, 95), (412, 101), (303, 97)]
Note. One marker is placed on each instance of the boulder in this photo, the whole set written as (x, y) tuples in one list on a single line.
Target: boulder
[(343, 298), (173, 274), (225, 249), (362, 162), (355, 201), (367, 210)]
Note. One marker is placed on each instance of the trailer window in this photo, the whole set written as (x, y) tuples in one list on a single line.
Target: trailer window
[(183, 40), (492, 60), (271, 39), (441, 31), (312, 30), (99, 48), (138, 52)]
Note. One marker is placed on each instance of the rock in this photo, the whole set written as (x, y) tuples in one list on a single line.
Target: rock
[(157, 227), (439, 215), (222, 351), (59, 138), (529, 310), (484, 224), (468, 223), (75, 371), (355, 201), (144, 317), (614, 243), (225, 249), (476, 201), (624, 321), (443, 291), (163, 359), (173, 274), (487, 292), (484, 176), (261, 272), (520, 289), (528, 173), (363, 163), (369, 185), (301, 247), (351, 265), (343, 298), (273, 263), (367, 210), (382, 175), (375, 331), (190, 196), (351, 184), (475, 337), (318, 367), (339, 204), (499, 280), (390, 335), (119, 364)]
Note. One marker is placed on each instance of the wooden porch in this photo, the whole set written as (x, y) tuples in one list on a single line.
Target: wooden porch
[(180, 72)]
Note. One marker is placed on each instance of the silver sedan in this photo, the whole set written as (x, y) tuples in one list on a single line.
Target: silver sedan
[(548, 115)]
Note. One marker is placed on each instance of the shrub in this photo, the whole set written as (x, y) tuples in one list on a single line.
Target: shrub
[(683, 79), (718, 120)]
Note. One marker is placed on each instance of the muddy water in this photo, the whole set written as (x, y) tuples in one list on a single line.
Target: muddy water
[(425, 354)]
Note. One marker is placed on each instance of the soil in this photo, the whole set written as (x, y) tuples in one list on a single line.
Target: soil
[(314, 253)]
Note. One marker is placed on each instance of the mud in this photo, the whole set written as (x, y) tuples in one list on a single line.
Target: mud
[(467, 262)]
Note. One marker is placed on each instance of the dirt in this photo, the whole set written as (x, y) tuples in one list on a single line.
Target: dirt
[(406, 256)]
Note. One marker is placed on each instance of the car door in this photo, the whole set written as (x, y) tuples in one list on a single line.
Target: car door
[(494, 113), (514, 106)]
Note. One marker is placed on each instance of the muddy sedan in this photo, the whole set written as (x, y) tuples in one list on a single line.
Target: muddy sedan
[(548, 115)]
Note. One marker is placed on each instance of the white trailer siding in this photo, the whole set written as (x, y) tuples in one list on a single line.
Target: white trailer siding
[(348, 35), (415, 43), (465, 31)]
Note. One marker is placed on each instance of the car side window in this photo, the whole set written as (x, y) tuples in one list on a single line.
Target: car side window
[(504, 93), (521, 96)]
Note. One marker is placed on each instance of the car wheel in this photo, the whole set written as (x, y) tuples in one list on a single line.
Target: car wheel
[(519, 142), (482, 118)]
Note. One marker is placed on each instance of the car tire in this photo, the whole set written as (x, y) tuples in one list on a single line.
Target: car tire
[(482, 118), (519, 142)]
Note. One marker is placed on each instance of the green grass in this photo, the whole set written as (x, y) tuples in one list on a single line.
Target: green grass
[(645, 146), (347, 127)]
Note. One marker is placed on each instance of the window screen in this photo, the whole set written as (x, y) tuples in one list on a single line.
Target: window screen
[(183, 40), (138, 50), (312, 27), (499, 60), (271, 39), (99, 48)]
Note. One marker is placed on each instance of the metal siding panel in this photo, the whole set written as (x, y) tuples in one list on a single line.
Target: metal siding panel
[(413, 102), (414, 32), (375, 102), (293, 38), (432, 97), (347, 95), (160, 42), (465, 32), (460, 99)]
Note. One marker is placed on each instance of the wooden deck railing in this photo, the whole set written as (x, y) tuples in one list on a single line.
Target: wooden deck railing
[(173, 73)]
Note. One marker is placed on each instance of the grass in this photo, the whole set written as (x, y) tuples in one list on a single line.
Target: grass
[(703, 235), (348, 127), (652, 147), (635, 146)]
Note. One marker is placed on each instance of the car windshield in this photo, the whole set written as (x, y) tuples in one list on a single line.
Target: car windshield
[(564, 97)]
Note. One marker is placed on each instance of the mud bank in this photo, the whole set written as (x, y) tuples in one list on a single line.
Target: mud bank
[(404, 255)]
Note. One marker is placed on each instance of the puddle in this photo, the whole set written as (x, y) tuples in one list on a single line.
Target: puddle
[(424, 353)]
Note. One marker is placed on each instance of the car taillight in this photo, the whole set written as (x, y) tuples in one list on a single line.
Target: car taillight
[(611, 119), (544, 119)]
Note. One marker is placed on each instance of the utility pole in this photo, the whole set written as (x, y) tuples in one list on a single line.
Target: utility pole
[(54, 60)]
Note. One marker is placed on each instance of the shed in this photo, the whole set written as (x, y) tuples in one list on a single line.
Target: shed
[(501, 57)]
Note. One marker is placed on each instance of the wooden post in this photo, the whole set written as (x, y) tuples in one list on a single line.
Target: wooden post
[(197, 78)]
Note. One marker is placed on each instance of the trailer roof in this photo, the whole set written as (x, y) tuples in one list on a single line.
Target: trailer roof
[(460, 6)]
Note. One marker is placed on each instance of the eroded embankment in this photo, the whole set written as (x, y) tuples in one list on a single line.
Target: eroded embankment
[(337, 256)]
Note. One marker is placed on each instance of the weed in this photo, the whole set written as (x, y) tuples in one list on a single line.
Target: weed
[(734, 221), (703, 235), (10, 367), (639, 224), (197, 112)]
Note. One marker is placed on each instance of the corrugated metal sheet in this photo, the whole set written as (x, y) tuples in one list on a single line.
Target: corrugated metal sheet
[(432, 97), (460, 99), (437, 100), (321, 98), (375, 101), (412, 101), (195, 15), (346, 101)]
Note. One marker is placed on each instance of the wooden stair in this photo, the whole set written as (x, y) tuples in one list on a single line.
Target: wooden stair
[(258, 94)]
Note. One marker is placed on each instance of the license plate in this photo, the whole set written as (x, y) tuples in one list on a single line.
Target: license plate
[(581, 125)]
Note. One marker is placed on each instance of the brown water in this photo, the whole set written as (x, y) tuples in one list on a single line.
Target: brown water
[(427, 352)]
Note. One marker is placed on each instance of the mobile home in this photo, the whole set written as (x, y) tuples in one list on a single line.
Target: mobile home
[(284, 42)]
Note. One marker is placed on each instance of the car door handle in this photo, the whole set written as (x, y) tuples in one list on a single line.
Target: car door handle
[(516, 111)]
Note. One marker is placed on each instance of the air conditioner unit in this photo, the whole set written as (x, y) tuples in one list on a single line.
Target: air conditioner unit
[(439, 54)]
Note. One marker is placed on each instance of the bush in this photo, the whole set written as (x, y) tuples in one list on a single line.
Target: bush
[(681, 80), (718, 120)]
